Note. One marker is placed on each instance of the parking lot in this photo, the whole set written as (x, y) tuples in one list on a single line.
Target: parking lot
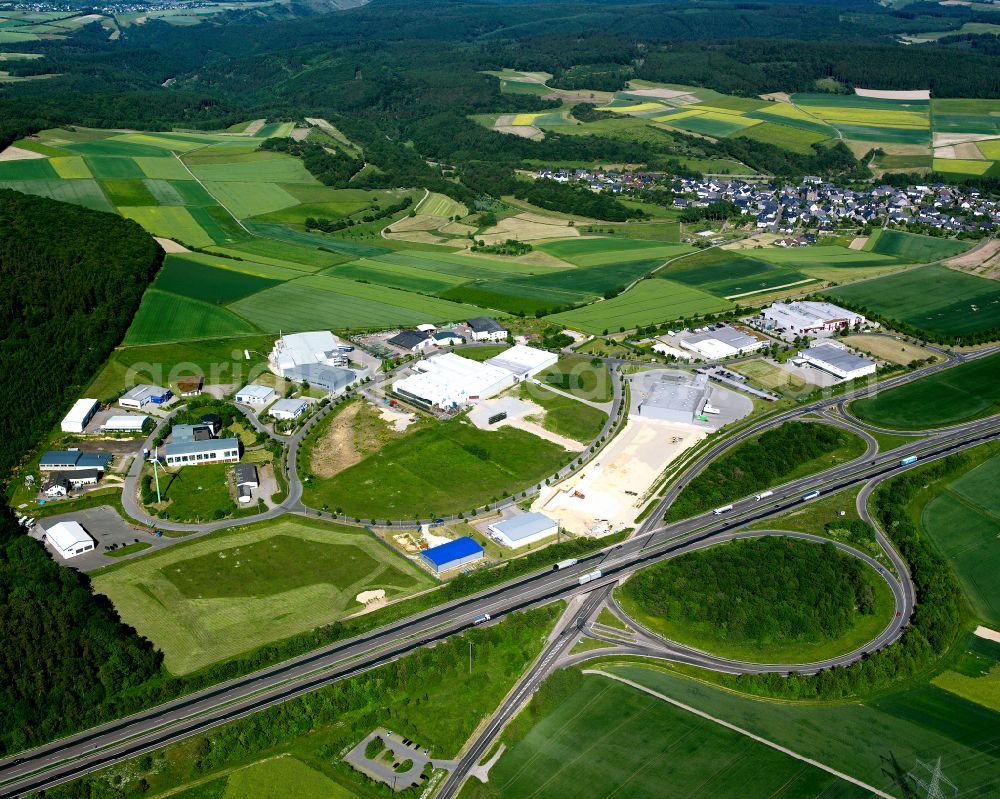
[(106, 527)]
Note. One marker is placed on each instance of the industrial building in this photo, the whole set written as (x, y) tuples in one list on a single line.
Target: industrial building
[(449, 380), (254, 394), (520, 531), (676, 397), (331, 378), (125, 424), (411, 340), (139, 396), (79, 415), (190, 386), (317, 347), (73, 459), (214, 450), (447, 338), (810, 318), (483, 328), (837, 361), (523, 361), (77, 478), (191, 432), (452, 555), (69, 539), (246, 479), (723, 342), (285, 409)]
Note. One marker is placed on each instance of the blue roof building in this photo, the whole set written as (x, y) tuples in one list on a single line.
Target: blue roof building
[(453, 554)]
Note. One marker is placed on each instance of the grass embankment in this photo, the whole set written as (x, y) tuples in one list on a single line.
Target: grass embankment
[(962, 393), (293, 750), (766, 600), (789, 452), (834, 516)]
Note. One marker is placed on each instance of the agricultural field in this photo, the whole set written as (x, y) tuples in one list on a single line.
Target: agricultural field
[(858, 738), (597, 732), (960, 137), (959, 394), (408, 472), (932, 298), (219, 360), (227, 593), (649, 302), (912, 247), (961, 518), (734, 274)]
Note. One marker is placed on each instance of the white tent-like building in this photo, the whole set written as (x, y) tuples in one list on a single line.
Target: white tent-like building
[(69, 539), (523, 361)]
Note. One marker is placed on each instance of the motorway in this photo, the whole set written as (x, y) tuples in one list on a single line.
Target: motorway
[(87, 751)]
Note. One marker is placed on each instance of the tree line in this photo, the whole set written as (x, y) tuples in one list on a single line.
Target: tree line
[(754, 465)]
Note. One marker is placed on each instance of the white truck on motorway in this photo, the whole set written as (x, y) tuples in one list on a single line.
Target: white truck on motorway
[(723, 509), (589, 577), (565, 564), (481, 618), (763, 495)]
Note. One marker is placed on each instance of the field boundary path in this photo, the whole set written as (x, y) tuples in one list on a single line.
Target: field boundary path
[(753, 736)]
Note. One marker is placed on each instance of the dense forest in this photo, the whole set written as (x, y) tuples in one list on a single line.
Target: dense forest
[(759, 463), (71, 281), (760, 591)]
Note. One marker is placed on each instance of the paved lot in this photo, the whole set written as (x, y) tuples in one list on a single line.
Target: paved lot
[(106, 527), (383, 770)]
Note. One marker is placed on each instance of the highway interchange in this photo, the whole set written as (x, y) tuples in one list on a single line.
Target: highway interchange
[(87, 751)]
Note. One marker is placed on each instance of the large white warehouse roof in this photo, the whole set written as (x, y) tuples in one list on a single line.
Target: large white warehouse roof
[(450, 379)]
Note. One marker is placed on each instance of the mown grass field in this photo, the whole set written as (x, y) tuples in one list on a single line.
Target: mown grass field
[(962, 519), (932, 298), (197, 493), (447, 468), (619, 741), (959, 394), (649, 302), (862, 739), (215, 597)]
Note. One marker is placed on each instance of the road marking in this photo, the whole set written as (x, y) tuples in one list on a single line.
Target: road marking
[(741, 731)]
